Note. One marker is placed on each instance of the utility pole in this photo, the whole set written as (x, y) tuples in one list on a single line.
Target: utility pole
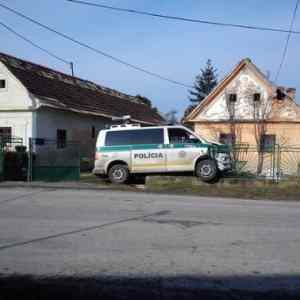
[(72, 68)]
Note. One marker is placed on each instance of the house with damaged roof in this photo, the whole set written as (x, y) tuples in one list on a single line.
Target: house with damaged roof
[(38, 102), (249, 110)]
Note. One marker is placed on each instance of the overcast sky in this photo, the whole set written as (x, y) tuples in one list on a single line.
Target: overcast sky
[(173, 49)]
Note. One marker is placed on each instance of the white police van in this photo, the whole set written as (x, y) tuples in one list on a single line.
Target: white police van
[(126, 150)]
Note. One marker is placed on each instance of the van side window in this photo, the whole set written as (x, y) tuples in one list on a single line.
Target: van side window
[(134, 137), (149, 136), (118, 138), (181, 136)]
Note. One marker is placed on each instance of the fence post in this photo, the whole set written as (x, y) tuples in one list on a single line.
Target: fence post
[(30, 168), (278, 163), (1, 160)]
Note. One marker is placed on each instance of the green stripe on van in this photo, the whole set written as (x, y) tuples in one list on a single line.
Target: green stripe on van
[(148, 147)]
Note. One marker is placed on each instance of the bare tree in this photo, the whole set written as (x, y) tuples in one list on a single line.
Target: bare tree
[(248, 102), (260, 105)]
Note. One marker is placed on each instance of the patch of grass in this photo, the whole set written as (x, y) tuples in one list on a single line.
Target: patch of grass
[(247, 189), (89, 177), (229, 187)]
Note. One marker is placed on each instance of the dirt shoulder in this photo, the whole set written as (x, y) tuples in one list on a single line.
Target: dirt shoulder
[(179, 185)]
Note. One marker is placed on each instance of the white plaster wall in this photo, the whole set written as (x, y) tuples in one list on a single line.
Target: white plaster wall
[(49, 120), (78, 126), (20, 122), (244, 85), (15, 96)]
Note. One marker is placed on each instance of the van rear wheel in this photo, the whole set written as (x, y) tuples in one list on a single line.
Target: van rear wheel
[(118, 174), (207, 170)]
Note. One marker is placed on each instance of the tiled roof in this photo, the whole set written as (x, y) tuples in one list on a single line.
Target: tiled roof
[(62, 91)]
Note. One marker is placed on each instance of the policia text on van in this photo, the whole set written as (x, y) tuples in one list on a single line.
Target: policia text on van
[(130, 149)]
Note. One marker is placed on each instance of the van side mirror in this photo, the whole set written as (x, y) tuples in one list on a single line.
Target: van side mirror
[(193, 139)]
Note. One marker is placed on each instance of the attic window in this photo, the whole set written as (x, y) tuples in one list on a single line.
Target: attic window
[(232, 97), (256, 97), (2, 83), (280, 94)]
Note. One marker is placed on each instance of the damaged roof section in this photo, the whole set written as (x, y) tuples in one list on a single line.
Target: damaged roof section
[(61, 91)]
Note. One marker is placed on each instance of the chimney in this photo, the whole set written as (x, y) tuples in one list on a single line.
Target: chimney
[(291, 93)]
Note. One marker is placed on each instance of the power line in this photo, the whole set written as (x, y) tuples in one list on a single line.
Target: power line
[(285, 50), (8, 28), (82, 44), (184, 19)]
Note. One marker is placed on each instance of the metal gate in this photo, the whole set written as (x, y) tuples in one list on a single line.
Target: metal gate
[(250, 161), (277, 163), (13, 159), (1, 162), (289, 162), (51, 160)]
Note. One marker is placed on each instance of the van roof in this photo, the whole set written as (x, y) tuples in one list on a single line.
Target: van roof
[(141, 128)]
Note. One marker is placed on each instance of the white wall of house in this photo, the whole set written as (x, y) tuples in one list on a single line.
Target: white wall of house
[(78, 127), (15, 106), (15, 96), (20, 123), (20, 111)]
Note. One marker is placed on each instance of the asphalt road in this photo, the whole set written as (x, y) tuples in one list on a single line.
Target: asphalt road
[(188, 241)]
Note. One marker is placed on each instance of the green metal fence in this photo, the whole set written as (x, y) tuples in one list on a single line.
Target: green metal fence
[(50, 160), (273, 163), (1, 162), (289, 161)]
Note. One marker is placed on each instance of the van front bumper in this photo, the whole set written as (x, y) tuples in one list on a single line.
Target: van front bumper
[(224, 162)]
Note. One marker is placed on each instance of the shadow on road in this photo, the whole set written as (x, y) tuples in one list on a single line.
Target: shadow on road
[(248, 287)]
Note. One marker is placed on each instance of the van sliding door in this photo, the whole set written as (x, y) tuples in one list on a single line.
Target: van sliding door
[(148, 154)]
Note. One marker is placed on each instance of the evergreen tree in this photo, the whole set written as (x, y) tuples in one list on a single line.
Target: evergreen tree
[(204, 83)]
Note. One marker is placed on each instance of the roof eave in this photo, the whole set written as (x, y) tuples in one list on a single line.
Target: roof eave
[(85, 112)]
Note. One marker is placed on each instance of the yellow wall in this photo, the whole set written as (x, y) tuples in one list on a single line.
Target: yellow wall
[(286, 160), (286, 133)]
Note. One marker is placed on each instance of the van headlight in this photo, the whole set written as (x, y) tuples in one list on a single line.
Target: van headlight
[(223, 157)]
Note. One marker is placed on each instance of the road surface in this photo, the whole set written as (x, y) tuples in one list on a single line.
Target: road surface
[(189, 241)]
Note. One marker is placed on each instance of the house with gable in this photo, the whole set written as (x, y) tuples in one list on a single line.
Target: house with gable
[(247, 109), (244, 98), (42, 103)]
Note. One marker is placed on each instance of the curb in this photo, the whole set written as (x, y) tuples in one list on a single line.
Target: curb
[(54, 186), (78, 187)]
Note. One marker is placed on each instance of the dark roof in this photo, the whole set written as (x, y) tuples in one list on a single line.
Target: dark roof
[(62, 91)]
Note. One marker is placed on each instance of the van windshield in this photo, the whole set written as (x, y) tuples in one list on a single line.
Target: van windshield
[(182, 136)]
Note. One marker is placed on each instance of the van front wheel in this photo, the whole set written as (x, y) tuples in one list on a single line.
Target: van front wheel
[(207, 170), (118, 174)]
